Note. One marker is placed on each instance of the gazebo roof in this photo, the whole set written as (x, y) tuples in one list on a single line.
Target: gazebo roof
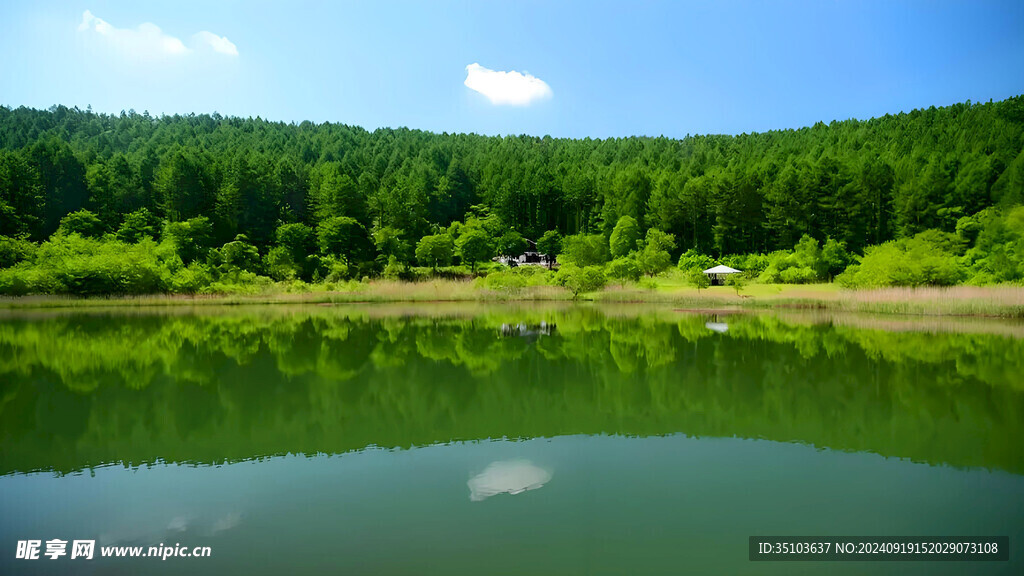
[(720, 269)]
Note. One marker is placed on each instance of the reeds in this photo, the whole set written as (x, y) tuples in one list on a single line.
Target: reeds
[(995, 301), (1007, 301)]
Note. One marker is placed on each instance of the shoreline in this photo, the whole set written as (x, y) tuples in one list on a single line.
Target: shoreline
[(962, 301)]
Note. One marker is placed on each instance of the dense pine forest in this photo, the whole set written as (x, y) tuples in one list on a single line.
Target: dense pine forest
[(131, 203)]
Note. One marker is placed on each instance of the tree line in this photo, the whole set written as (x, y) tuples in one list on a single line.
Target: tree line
[(312, 201)]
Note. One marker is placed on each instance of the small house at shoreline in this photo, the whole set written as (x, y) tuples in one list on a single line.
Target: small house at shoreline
[(719, 273), (530, 257)]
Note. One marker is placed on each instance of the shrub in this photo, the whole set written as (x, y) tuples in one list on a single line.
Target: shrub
[(280, 265), (584, 250), (136, 226), (507, 281), (926, 259), (693, 260), (802, 265), (192, 239), (513, 279), (16, 281), (796, 275), (998, 251), (190, 279), (71, 264), (807, 262), (394, 269), (698, 279), (14, 250), (83, 222), (238, 282), (579, 279), (390, 241), (752, 265), (238, 254), (624, 268), (334, 268), (784, 268), (737, 281)]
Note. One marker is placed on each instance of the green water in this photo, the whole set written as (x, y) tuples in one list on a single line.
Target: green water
[(502, 440)]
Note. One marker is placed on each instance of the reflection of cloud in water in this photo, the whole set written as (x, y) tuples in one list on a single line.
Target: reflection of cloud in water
[(133, 533), (720, 327), (507, 476), (226, 523)]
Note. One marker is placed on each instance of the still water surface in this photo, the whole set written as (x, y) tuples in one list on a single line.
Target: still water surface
[(502, 440)]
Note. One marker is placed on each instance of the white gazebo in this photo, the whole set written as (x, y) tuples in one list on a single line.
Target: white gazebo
[(719, 273)]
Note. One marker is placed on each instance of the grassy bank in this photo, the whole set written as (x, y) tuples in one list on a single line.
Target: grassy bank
[(995, 301)]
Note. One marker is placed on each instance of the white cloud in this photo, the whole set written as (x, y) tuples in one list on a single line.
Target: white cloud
[(510, 88), (218, 43), (147, 41)]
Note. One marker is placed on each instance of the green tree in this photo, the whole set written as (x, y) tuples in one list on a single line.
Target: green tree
[(624, 237), (295, 253), (998, 251), (550, 245), (653, 262), (335, 193), (114, 189), (510, 244), (393, 270), (239, 254), (580, 279), (184, 184), (342, 236), (191, 239), (698, 279), (834, 257), (737, 281), (654, 258), (83, 223), (474, 246), (298, 239), (280, 265), (14, 250), (62, 178), (390, 243), (745, 200), (584, 250), (249, 199), (435, 250), (692, 260), (136, 226), (21, 196)]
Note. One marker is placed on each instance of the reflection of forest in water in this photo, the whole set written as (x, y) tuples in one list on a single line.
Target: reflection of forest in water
[(82, 390)]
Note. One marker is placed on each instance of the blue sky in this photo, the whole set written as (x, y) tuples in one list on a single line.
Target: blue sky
[(594, 69)]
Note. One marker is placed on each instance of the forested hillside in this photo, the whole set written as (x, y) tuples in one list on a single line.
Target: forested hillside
[(365, 198)]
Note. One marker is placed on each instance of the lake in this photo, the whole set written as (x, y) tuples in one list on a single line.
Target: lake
[(502, 439)]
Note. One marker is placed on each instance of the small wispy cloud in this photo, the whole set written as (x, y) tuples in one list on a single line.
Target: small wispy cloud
[(506, 88), (148, 41), (218, 43)]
